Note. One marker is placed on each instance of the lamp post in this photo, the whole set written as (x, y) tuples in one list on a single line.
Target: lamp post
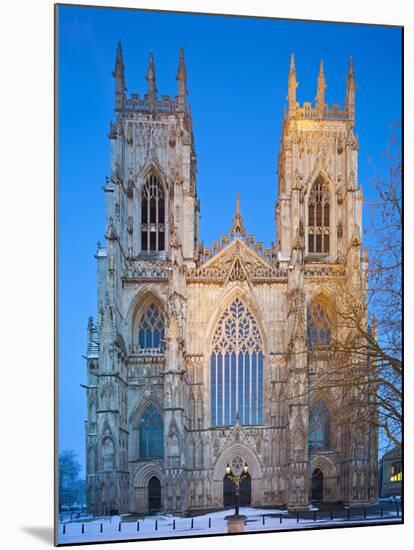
[(236, 480)]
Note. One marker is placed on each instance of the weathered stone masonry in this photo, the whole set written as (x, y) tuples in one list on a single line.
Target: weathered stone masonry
[(199, 356)]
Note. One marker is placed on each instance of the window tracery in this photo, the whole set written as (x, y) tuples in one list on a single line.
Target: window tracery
[(319, 427), (151, 331), (318, 327), (318, 218), (152, 215), (237, 368), (151, 434)]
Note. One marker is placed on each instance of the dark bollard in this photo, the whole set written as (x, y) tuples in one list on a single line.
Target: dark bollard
[(209, 522), (119, 527), (64, 529), (192, 523), (365, 513), (156, 525), (137, 525), (314, 516), (101, 529), (348, 513), (297, 517), (382, 511), (331, 515), (174, 524), (280, 518), (83, 529), (263, 520)]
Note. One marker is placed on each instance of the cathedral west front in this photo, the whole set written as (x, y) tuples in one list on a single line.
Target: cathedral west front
[(203, 357)]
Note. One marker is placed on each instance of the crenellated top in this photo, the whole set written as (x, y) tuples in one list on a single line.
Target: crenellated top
[(320, 110), (150, 102)]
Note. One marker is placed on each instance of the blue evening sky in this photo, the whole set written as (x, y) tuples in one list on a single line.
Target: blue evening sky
[(237, 78)]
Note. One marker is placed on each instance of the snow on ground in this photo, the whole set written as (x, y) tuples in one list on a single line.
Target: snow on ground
[(165, 525)]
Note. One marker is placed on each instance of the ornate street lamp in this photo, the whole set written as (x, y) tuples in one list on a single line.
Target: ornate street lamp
[(236, 480)]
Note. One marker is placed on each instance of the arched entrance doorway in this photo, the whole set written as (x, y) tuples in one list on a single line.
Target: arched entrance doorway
[(154, 495), (245, 492), (317, 485)]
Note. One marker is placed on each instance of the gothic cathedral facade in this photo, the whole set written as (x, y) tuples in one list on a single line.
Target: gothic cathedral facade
[(201, 357)]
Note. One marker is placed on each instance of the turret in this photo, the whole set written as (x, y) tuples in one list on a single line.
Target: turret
[(119, 75), (320, 93), (292, 85), (350, 90), (182, 82), (150, 78)]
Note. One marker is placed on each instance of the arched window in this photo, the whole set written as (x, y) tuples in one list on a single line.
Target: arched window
[(151, 434), (318, 218), (152, 215), (151, 331), (319, 427), (318, 327), (236, 368)]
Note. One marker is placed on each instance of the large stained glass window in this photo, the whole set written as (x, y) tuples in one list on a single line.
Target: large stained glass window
[(237, 368), (151, 331), (151, 434)]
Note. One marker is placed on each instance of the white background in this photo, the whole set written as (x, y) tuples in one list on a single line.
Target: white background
[(26, 252)]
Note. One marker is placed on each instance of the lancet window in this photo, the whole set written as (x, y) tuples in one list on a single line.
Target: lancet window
[(151, 434), (152, 215), (318, 327), (318, 218), (319, 427), (237, 368), (151, 331)]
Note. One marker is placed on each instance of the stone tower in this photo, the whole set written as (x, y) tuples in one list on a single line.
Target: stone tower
[(151, 236), (204, 356), (319, 227)]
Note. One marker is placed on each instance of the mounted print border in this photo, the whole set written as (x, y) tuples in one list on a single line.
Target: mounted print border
[(210, 381)]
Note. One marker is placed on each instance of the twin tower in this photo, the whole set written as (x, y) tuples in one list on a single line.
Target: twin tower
[(197, 354)]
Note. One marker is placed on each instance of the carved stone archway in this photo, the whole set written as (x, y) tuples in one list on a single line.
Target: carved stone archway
[(140, 487), (247, 455), (328, 469)]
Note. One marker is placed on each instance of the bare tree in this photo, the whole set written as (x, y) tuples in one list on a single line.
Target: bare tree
[(365, 351)]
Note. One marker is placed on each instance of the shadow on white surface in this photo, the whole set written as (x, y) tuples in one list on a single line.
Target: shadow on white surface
[(44, 534)]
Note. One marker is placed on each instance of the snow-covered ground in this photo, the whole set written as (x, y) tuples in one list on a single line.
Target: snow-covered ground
[(165, 525)]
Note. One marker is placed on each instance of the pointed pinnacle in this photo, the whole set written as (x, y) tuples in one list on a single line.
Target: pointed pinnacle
[(351, 67), (119, 53), (292, 63), (151, 66), (321, 71), (150, 78), (181, 72)]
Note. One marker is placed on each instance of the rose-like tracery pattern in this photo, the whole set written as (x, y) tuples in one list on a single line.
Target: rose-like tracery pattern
[(236, 368)]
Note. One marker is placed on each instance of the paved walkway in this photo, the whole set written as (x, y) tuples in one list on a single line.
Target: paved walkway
[(258, 520)]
